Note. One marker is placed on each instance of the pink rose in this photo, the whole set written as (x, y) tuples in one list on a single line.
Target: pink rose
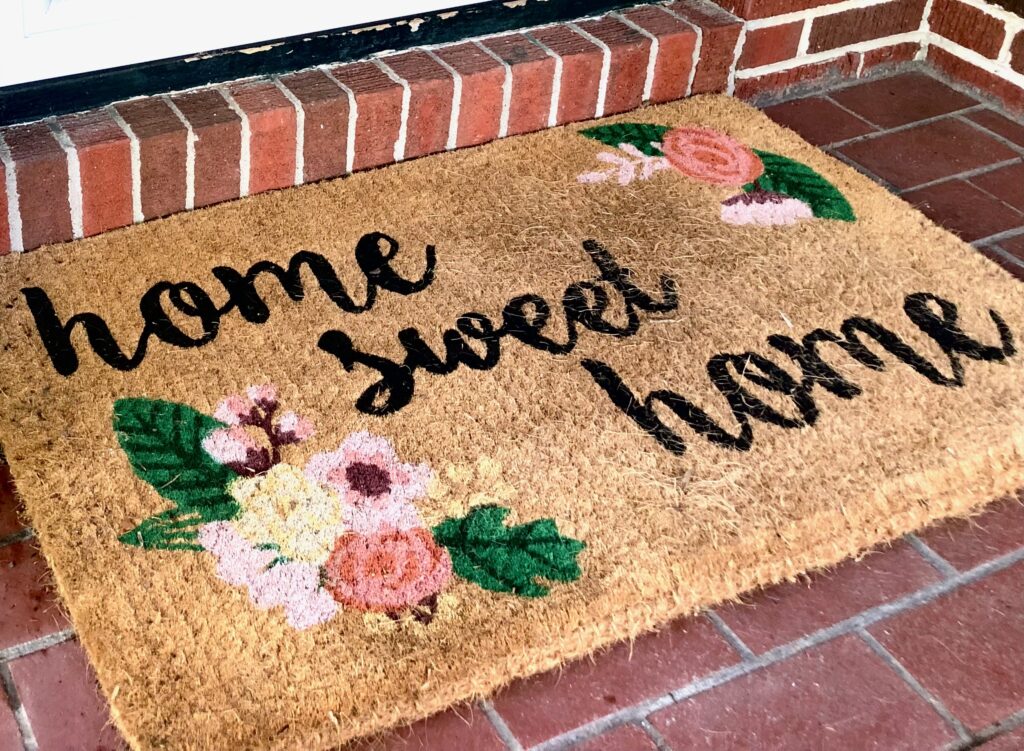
[(387, 572), (710, 156)]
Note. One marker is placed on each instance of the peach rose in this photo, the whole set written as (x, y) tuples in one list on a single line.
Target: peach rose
[(387, 572), (713, 157)]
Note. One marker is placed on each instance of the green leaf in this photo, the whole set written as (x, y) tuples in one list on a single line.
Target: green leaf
[(791, 178), (163, 441), (641, 135), (508, 559), (177, 530)]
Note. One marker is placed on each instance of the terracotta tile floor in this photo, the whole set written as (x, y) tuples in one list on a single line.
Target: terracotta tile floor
[(916, 646)]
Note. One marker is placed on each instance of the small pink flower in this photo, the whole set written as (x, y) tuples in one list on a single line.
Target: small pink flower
[(233, 410), (292, 429), (264, 396), (387, 572), (763, 208), (710, 156), (230, 445)]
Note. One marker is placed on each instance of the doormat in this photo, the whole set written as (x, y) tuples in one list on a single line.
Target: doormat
[(318, 462)]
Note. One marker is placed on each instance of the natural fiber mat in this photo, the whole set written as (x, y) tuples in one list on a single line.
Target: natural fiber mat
[(318, 462)]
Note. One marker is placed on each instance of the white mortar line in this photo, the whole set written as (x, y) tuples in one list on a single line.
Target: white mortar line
[(606, 67), (74, 175), (741, 40), (826, 56), (556, 81), (300, 130), (403, 127), (977, 60), (506, 89), (652, 57), (696, 47), (453, 122), (353, 119), (1011, 27), (13, 203), (993, 10), (190, 154), (805, 37), (821, 10), (245, 156), (926, 31), (135, 150)]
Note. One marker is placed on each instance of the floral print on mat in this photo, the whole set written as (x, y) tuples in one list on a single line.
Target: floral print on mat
[(343, 532), (777, 190)]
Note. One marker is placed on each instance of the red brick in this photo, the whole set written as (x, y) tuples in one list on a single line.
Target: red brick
[(786, 612), (720, 33), (750, 9), (550, 704), (162, 138), (902, 99), (10, 518), (841, 67), (5, 228), (581, 71), (430, 103), (379, 104), (325, 135), (482, 81), (59, 692), (533, 76), (1002, 126), (1017, 52), (1005, 183), (676, 42), (463, 727), (622, 738), (105, 163), (963, 209), (928, 152), (967, 26), (969, 542), (894, 54), (862, 24), (1012, 741), (272, 135), (1011, 95), (28, 603), (1015, 268), (218, 131), (10, 736), (41, 168), (835, 696), (818, 120), (770, 44), (966, 647), (631, 54)]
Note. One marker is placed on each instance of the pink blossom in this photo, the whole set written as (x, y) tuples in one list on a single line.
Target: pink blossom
[(230, 445), (233, 410), (295, 428), (291, 585), (763, 208), (638, 166), (264, 396)]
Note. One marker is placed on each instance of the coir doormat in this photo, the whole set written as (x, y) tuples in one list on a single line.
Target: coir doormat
[(319, 462)]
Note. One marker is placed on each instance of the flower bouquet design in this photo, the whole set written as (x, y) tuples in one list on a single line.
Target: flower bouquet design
[(777, 190), (341, 532)]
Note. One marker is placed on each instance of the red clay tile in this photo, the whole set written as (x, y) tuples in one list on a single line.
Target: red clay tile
[(10, 518), (162, 138), (533, 76), (964, 209), (430, 101), (105, 164), (836, 696), (841, 67), (786, 612), (631, 53), (464, 727), (41, 170), (770, 44), (218, 131), (967, 647), (928, 152), (28, 602), (676, 41), (959, 69), (969, 542), (272, 125), (1014, 246), (818, 120), (59, 692), (1005, 183), (720, 32), (325, 135), (901, 99), (482, 81), (546, 705), (10, 736), (862, 24), (1003, 126), (968, 26), (622, 738), (581, 71), (1015, 268), (1012, 741)]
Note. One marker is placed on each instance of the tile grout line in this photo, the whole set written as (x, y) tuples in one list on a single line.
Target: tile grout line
[(1006, 725), (633, 714), (726, 632), (500, 726), (967, 175), (655, 735), (841, 157), (915, 685), (992, 134), (35, 645), (19, 536), (28, 736), (1005, 256), (882, 131), (998, 237), (936, 561)]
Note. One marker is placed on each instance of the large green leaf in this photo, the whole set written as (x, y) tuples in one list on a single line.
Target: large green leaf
[(640, 135), (163, 441), (508, 559), (177, 530), (791, 178)]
